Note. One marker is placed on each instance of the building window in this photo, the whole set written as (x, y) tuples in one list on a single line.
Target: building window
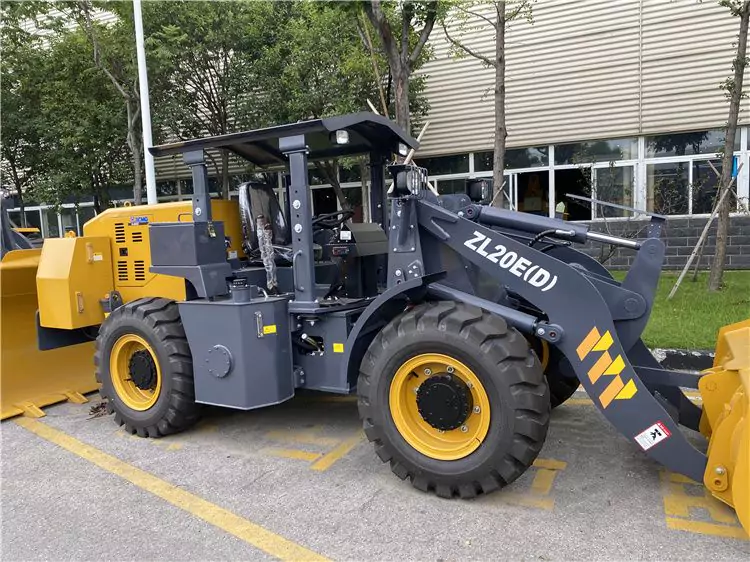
[(681, 144), (667, 188), (515, 158), (614, 184), (596, 151), (324, 200), (451, 186), (350, 174), (705, 187), (85, 214), (34, 220), (444, 165), (68, 217)]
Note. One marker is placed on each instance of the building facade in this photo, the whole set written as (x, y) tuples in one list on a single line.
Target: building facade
[(617, 100)]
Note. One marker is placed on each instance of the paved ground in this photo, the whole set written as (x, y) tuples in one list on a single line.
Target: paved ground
[(300, 479)]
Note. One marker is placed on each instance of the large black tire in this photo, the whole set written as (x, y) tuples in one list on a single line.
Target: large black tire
[(157, 321), (509, 371), (561, 387)]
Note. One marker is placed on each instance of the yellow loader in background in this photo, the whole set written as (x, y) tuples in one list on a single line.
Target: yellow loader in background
[(29, 378)]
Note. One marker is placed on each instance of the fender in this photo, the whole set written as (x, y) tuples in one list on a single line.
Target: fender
[(379, 312)]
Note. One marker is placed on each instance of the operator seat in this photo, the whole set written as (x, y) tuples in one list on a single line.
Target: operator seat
[(258, 200)]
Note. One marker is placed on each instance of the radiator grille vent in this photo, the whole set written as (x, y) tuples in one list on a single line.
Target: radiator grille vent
[(120, 233), (139, 268), (122, 271), (137, 236)]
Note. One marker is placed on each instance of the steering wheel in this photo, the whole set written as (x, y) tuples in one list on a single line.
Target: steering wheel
[(331, 220)]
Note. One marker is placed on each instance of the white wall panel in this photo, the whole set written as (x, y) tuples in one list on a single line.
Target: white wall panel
[(587, 69)]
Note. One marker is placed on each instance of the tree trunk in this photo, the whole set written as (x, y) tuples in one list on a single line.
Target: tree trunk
[(498, 162), (135, 148), (224, 174), (402, 95), (329, 170), (722, 229)]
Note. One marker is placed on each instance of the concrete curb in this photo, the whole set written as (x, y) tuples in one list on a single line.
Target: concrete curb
[(684, 359)]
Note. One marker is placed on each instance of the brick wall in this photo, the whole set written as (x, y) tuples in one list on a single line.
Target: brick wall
[(681, 236)]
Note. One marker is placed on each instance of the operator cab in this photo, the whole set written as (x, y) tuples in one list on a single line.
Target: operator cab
[(321, 261)]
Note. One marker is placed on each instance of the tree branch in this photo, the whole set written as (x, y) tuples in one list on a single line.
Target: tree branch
[(486, 60), (89, 29), (476, 14), (425, 34), (380, 22)]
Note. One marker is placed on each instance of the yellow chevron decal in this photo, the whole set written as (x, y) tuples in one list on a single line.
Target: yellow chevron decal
[(588, 342), (616, 367), (604, 343), (628, 392), (616, 389)]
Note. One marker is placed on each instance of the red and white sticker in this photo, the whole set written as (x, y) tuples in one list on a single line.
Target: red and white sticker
[(652, 436)]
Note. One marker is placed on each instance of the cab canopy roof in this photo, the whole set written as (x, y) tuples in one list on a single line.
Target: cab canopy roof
[(368, 132)]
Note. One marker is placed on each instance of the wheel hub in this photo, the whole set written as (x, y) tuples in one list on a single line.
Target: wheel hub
[(142, 370), (444, 401)]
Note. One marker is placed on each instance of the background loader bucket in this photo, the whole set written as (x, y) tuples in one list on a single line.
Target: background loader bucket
[(29, 378), (725, 389)]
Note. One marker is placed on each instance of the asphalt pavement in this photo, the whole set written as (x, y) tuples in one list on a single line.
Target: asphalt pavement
[(299, 481)]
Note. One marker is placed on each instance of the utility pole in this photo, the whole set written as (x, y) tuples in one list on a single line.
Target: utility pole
[(145, 107)]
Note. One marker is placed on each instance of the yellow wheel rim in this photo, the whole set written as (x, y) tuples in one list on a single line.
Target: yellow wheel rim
[(120, 359), (445, 445), (545, 355)]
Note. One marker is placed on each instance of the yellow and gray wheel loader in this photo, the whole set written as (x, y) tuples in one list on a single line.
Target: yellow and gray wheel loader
[(459, 325), (30, 378)]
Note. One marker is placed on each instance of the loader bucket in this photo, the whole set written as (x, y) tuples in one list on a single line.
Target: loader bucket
[(725, 389), (29, 378)]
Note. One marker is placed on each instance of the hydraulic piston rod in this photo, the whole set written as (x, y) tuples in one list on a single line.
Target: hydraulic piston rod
[(614, 240)]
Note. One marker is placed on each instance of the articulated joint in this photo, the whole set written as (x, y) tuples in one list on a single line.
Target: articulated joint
[(548, 332)]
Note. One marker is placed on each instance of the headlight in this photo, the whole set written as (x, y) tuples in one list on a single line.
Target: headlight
[(341, 137), (408, 179), (403, 150)]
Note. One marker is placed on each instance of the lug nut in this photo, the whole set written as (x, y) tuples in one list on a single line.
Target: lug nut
[(449, 369), (464, 429), (477, 409), (428, 372)]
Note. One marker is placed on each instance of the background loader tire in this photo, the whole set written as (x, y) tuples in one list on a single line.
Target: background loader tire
[(554, 364), (500, 358), (560, 387), (156, 323)]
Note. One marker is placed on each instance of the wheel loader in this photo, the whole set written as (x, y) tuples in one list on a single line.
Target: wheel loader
[(459, 325)]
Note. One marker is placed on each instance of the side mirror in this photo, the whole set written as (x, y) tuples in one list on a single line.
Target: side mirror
[(479, 190)]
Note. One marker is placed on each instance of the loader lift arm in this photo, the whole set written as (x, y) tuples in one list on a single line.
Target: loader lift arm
[(580, 309)]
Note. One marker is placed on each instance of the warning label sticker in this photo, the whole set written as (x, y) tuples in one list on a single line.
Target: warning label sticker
[(652, 436)]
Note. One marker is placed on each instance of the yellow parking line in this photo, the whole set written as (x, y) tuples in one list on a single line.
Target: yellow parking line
[(253, 534), (579, 402), (326, 461), (294, 454), (706, 528), (550, 464)]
